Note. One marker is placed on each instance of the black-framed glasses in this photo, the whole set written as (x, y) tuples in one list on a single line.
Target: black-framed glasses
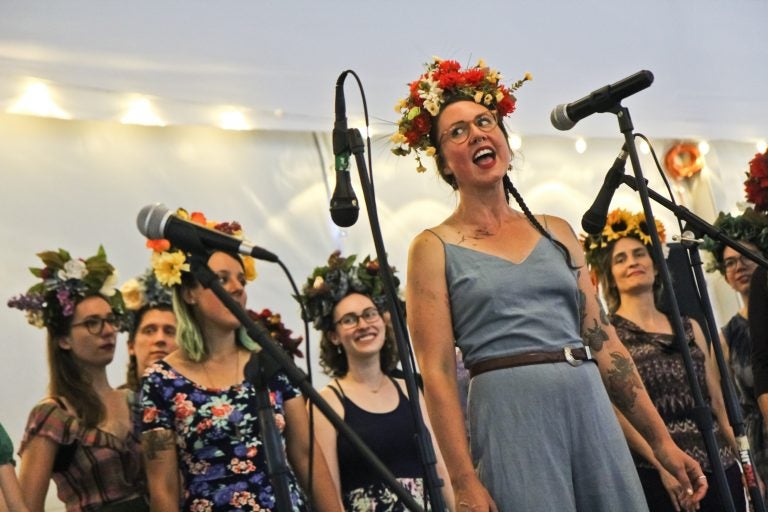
[(95, 324), (730, 263), (350, 320), (459, 132)]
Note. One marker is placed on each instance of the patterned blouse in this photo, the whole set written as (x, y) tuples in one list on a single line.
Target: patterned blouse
[(663, 372), (220, 451), (93, 467)]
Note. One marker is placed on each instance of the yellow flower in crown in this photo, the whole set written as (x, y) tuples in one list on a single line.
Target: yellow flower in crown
[(620, 223), (442, 81), (169, 262)]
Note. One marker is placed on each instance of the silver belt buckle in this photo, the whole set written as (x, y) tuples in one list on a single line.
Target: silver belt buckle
[(569, 357)]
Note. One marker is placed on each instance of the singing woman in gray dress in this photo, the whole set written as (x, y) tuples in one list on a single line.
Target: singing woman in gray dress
[(511, 290)]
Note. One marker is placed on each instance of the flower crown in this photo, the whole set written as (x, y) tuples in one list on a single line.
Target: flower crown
[(619, 224), (444, 80), (169, 262), (756, 184), (329, 284), (141, 291), (750, 226), (65, 281), (273, 323)]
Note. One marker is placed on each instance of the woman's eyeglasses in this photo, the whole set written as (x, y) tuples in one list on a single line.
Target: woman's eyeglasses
[(351, 320), (459, 132), (729, 264), (95, 325)]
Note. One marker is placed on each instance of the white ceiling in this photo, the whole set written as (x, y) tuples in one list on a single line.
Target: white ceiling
[(708, 56)]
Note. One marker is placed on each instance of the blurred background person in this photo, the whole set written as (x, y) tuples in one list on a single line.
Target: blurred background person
[(11, 499)]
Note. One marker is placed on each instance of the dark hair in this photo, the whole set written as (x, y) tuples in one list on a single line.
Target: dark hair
[(67, 378), (333, 358), (608, 283), (509, 188), (131, 377)]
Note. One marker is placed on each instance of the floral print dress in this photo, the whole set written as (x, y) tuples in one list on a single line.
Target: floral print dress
[(220, 451)]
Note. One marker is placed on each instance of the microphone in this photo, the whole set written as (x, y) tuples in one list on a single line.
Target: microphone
[(156, 221), (344, 207), (594, 219), (565, 116)]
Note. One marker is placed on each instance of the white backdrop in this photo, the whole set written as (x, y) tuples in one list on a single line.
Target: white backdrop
[(75, 184)]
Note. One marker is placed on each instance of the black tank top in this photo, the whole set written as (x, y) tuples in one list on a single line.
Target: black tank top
[(390, 435)]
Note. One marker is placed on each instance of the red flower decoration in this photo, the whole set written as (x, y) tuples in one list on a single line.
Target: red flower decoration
[(756, 184)]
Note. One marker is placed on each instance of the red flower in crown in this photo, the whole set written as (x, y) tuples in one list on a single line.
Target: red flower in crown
[(756, 184), (444, 79)]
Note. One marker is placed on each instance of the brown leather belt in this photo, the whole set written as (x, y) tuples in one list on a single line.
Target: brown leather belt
[(572, 356)]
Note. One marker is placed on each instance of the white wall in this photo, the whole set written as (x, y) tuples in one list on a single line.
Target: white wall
[(75, 184)]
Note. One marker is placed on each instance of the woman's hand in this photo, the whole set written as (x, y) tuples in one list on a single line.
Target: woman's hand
[(691, 483), (471, 496), (676, 491)]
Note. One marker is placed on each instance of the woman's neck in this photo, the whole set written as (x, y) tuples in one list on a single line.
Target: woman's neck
[(641, 309), (98, 378), (219, 342), (744, 311), (365, 371)]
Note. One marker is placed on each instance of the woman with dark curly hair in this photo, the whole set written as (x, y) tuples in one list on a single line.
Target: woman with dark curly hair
[(347, 303)]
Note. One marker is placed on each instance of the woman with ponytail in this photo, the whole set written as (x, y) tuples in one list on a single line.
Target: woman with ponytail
[(511, 290)]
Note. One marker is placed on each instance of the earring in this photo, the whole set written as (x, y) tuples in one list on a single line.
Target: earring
[(338, 349)]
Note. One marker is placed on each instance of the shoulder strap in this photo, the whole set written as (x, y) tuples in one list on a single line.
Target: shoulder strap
[(436, 235), (337, 390)]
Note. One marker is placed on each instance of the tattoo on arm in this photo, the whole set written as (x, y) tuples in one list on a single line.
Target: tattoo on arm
[(622, 382), (157, 441), (603, 315), (595, 336)]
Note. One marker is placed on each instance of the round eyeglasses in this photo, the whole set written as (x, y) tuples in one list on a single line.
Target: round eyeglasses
[(729, 264), (459, 132), (95, 325), (351, 320)]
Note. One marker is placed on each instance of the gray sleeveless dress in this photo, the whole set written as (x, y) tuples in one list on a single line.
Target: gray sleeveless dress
[(543, 437)]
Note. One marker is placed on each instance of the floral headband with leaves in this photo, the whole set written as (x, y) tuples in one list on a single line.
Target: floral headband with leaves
[(750, 226), (274, 324), (144, 291), (442, 81), (619, 224), (329, 284), (169, 262), (65, 281)]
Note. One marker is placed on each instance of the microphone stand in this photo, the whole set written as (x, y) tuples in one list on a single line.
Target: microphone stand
[(431, 480), (701, 412), (695, 227), (207, 278), (257, 373)]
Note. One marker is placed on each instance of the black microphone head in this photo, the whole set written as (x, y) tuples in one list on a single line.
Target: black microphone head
[(152, 219), (559, 118), (593, 223), (344, 215)]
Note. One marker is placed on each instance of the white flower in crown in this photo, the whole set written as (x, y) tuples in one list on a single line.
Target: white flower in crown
[(73, 269), (133, 294), (108, 289)]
